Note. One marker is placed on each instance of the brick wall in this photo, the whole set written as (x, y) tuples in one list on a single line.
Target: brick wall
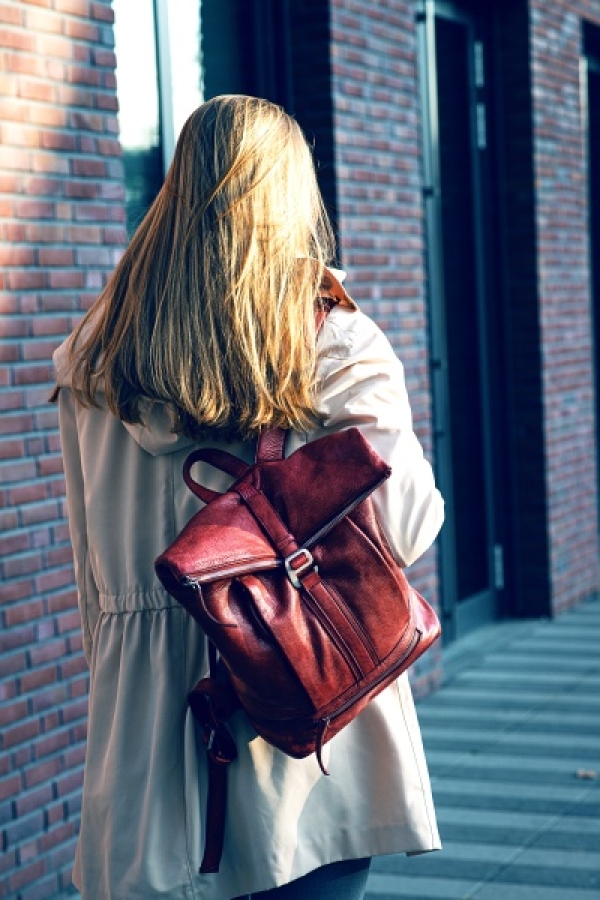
[(564, 298), (376, 120), (61, 224)]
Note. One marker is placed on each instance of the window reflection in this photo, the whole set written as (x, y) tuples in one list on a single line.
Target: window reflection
[(139, 108), (187, 86)]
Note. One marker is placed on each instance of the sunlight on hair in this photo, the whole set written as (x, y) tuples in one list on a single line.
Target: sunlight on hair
[(211, 308)]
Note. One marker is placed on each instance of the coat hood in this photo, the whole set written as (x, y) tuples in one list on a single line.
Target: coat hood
[(155, 435)]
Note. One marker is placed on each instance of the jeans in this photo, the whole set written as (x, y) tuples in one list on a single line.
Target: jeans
[(344, 880)]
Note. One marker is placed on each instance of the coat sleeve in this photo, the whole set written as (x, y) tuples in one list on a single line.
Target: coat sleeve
[(361, 383), (87, 591)]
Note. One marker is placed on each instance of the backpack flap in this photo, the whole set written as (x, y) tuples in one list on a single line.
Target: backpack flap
[(311, 491), (321, 482)]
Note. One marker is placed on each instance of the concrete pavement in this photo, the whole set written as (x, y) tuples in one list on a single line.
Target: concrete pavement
[(513, 744)]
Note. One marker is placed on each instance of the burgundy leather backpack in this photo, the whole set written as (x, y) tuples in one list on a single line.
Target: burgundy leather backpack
[(293, 582)]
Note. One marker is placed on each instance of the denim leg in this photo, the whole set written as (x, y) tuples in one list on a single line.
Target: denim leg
[(344, 880)]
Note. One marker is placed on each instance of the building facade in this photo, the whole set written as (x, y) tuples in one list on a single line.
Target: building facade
[(458, 146)]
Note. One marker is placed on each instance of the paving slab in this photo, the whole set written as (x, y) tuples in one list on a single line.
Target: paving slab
[(513, 744)]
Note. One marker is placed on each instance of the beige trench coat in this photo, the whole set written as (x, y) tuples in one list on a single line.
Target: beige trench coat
[(145, 780)]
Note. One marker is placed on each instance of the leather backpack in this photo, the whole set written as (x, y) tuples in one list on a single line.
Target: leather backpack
[(293, 582)]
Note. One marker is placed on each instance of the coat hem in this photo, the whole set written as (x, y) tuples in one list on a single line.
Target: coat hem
[(323, 850)]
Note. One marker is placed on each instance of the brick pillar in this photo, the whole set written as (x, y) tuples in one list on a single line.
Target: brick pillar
[(376, 116), (61, 227), (564, 298)]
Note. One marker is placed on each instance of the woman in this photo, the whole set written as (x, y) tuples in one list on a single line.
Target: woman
[(204, 335)]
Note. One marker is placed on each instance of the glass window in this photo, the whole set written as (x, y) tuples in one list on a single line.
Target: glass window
[(159, 83), (139, 107)]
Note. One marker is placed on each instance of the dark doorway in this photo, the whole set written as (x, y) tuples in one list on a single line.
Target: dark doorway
[(464, 333)]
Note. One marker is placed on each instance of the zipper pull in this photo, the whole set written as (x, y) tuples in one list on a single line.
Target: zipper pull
[(320, 741)]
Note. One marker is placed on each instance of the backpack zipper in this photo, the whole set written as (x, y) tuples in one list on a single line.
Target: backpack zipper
[(341, 515), (241, 569), (326, 720), (324, 723)]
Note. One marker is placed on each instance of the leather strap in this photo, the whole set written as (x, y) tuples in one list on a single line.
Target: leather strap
[(271, 445), (220, 459), (213, 701)]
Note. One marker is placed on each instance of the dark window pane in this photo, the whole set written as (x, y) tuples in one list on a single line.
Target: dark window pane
[(462, 312)]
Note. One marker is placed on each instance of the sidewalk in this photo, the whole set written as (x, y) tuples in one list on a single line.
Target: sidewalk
[(513, 744)]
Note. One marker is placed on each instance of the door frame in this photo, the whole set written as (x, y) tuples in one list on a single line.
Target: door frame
[(458, 617)]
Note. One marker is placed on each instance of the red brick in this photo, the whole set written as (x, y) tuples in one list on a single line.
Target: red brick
[(53, 234), (68, 621), (56, 836), (50, 325), (42, 21), (50, 465), (104, 58), (48, 651), (17, 471), (24, 564), (62, 601), (84, 75), (42, 771), (68, 783), (49, 582), (18, 590), (79, 8), (18, 615), (26, 875), (16, 256), (14, 327), (88, 168), (35, 799), (16, 40), (102, 12), (82, 31), (83, 190), (50, 162), (34, 374), (36, 90), (58, 140), (10, 15), (86, 121), (75, 755), (34, 209), (53, 45), (10, 714), (76, 96), (21, 64), (82, 53), (19, 734), (14, 543), (107, 101), (9, 787), (50, 699)]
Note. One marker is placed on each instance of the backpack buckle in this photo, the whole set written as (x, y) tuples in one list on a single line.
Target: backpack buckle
[(297, 563)]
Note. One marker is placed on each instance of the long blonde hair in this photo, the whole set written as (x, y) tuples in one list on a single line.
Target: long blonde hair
[(211, 308)]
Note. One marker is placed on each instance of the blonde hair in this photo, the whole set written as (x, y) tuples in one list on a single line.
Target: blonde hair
[(211, 308)]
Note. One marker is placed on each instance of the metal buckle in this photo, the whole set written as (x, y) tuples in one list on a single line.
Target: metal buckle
[(292, 573)]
